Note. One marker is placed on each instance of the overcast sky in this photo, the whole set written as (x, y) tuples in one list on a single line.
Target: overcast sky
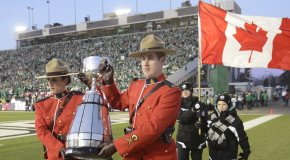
[(15, 12)]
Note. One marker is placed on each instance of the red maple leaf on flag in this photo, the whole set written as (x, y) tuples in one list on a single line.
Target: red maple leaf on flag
[(250, 38)]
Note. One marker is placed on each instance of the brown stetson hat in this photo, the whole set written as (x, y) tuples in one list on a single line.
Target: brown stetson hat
[(152, 44), (56, 68)]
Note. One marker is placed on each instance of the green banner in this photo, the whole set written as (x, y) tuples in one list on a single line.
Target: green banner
[(219, 79)]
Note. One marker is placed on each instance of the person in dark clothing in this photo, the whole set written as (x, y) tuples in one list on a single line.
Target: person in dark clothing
[(192, 125), (27, 102), (287, 96), (226, 132), (249, 101), (261, 98)]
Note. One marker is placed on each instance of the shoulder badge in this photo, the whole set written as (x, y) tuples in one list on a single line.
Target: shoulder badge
[(168, 83), (42, 99), (76, 92)]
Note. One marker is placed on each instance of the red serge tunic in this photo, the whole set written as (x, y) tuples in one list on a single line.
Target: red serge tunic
[(157, 112), (45, 110)]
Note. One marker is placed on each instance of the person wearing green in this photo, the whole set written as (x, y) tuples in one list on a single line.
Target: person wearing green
[(249, 100), (261, 98), (2, 94), (265, 98), (254, 100)]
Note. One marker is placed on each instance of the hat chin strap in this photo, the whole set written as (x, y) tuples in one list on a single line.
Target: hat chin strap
[(61, 94)]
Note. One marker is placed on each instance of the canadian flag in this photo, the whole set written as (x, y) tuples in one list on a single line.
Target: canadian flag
[(243, 41)]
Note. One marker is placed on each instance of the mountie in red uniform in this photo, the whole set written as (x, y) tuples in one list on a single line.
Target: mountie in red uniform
[(157, 113), (45, 111)]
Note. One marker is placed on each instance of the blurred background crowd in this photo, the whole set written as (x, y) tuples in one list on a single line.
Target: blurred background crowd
[(19, 67)]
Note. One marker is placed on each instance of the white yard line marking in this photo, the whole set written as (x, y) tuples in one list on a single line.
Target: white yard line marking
[(33, 134), (14, 129), (255, 122), (19, 128), (119, 118), (30, 121)]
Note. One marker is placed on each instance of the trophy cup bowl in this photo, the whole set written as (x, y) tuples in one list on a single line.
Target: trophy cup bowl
[(91, 66), (91, 125)]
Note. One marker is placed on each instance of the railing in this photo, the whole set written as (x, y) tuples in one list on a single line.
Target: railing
[(184, 73)]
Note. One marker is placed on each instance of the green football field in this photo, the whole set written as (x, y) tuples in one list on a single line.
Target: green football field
[(269, 141)]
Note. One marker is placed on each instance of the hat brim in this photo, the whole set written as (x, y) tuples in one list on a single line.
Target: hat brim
[(69, 74), (140, 53)]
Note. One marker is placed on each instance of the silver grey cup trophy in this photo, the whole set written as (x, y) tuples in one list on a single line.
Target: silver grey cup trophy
[(91, 125)]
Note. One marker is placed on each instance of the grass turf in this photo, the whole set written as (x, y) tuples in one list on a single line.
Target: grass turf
[(268, 141), (16, 115)]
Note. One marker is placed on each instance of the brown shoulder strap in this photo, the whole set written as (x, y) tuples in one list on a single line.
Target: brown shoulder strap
[(59, 111), (143, 99)]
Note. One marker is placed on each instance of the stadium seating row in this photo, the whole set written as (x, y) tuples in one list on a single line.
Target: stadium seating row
[(19, 67)]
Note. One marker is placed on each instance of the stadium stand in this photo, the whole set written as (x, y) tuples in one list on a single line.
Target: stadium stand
[(19, 67)]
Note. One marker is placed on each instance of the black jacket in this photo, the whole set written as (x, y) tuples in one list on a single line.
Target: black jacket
[(226, 132), (188, 135)]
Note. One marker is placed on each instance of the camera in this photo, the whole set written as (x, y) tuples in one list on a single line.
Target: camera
[(128, 130)]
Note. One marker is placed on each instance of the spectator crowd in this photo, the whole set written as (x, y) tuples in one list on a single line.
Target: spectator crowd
[(19, 67)]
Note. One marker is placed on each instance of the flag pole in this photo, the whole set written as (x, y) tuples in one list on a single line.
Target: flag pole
[(199, 63), (198, 83)]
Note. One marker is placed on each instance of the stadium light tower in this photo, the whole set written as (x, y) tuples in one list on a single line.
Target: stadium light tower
[(28, 17), (75, 7), (103, 8), (136, 6), (32, 21), (48, 11)]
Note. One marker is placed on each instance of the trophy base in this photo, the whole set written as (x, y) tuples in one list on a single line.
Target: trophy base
[(88, 153)]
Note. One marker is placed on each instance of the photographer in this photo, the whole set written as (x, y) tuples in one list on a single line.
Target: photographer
[(192, 125)]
